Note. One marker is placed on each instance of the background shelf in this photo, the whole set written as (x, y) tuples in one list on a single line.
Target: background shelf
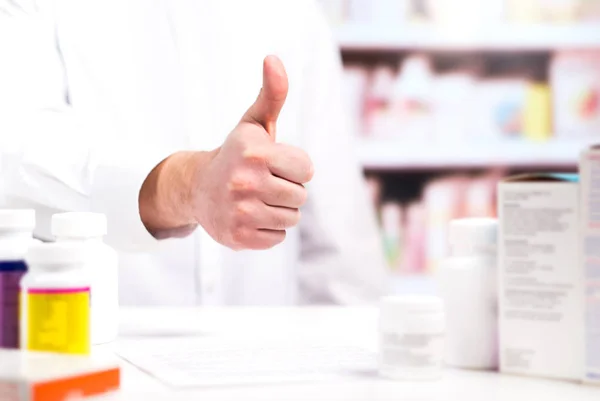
[(508, 37), (398, 153)]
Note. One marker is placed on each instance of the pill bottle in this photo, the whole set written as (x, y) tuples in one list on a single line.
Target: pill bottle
[(55, 299), (468, 284), (411, 337), (102, 267), (16, 236)]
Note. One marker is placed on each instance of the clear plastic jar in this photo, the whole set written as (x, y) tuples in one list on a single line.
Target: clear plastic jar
[(411, 341)]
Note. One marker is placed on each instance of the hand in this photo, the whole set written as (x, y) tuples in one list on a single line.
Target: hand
[(246, 193)]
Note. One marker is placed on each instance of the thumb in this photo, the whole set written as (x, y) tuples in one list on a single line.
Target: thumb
[(271, 98)]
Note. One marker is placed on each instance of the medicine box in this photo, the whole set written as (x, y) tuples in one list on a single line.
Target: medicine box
[(37, 376), (541, 316), (589, 168)]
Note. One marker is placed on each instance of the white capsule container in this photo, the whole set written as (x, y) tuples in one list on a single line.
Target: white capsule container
[(16, 236), (468, 284), (411, 337), (101, 264)]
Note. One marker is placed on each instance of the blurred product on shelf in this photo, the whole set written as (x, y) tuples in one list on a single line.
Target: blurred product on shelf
[(374, 188), (575, 80), (378, 121), (443, 202), (500, 104), (355, 86), (411, 102), (415, 231), (537, 118), (391, 227), (552, 11)]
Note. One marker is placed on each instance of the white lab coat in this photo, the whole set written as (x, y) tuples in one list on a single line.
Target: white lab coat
[(95, 93)]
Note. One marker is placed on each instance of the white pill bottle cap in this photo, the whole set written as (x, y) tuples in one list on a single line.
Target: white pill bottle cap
[(412, 313), (55, 255), (473, 236), (79, 225)]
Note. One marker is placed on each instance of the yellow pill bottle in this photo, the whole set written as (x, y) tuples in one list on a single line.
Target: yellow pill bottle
[(55, 299)]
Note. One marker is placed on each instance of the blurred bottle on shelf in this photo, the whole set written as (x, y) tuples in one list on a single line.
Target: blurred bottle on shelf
[(391, 224), (544, 11), (378, 114), (374, 188), (413, 254), (537, 117), (453, 97), (443, 202), (355, 86), (411, 99), (575, 80), (480, 196), (500, 105)]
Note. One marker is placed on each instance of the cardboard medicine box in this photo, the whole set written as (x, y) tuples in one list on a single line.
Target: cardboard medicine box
[(40, 376), (541, 316), (589, 168)]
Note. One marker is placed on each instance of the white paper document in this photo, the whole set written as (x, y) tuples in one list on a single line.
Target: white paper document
[(199, 362)]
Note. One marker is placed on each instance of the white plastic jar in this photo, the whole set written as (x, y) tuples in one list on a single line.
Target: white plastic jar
[(16, 236), (55, 299), (468, 284), (102, 266), (411, 337)]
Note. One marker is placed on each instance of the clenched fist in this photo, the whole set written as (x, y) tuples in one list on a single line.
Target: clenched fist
[(246, 193)]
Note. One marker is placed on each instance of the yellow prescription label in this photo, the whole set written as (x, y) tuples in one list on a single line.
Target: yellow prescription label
[(58, 320)]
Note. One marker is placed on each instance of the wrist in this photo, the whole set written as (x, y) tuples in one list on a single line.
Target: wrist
[(166, 197)]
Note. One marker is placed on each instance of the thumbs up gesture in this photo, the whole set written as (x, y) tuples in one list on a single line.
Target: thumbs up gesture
[(248, 191)]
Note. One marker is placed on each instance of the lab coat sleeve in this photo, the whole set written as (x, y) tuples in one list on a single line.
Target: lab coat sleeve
[(341, 254), (52, 158)]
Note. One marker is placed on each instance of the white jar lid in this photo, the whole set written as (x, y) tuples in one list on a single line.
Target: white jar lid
[(56, 253), (473, 231), (17, 219), (79, 224), (394, 306)]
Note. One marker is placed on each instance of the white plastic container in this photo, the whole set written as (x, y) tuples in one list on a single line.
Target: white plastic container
[(55, 299), (411, 342), (16, 236), (468, 282), (102, 266)]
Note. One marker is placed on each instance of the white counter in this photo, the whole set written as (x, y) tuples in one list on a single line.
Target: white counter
[(360, 324)]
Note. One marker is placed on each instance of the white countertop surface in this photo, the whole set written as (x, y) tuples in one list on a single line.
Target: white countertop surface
[(359, 324)]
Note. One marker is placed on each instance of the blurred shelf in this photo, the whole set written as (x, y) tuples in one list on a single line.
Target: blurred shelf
[(399, 154), (366, 36)]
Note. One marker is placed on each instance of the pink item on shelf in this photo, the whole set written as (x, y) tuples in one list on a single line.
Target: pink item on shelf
[(575, 82), (377, 103), (411, 99), (444, 201), (413, 255), (480, 196), (374, 187)]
